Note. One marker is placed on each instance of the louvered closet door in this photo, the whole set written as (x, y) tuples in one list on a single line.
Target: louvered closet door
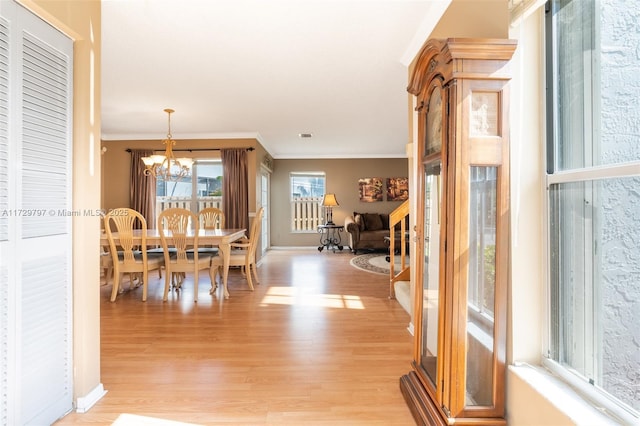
[(6, 254), (35, 218)]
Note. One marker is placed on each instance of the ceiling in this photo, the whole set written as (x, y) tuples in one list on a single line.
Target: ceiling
[(265, 69)]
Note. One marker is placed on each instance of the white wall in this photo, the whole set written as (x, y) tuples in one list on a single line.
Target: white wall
[(527, 192)]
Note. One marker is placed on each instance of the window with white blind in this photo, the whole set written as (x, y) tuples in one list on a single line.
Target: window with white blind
[(36, 62)]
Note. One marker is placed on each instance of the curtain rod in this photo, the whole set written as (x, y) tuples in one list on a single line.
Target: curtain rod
[(200, 149)]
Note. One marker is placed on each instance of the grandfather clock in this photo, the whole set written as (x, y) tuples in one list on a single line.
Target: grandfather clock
[(462, 273)]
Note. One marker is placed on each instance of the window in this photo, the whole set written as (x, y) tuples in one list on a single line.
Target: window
[(593, 176), (307, 190), (207, 192)]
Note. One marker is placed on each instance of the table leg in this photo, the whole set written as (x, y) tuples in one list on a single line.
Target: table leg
[(225, 252)]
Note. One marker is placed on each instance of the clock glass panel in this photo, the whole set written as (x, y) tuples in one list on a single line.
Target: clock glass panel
[(433, 134)]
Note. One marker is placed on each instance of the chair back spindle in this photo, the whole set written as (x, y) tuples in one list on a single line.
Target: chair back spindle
[(211, 218)]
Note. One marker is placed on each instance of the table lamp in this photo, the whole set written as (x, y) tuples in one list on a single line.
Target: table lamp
[(329, 202)]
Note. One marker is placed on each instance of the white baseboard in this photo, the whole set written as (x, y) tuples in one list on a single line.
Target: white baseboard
[(84, 403), (293, 248)]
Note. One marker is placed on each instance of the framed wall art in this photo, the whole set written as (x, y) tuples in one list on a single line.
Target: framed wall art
[(397, 189), (370, 189)]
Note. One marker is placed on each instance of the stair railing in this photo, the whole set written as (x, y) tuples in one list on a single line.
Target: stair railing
[(399, 216)]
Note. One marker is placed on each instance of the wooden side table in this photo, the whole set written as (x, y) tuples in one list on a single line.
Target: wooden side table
[(330, 237)]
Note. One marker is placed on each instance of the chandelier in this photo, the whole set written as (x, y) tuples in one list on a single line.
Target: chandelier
[(167, 166)]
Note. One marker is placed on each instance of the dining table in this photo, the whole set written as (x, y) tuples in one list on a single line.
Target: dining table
[(222, 238)]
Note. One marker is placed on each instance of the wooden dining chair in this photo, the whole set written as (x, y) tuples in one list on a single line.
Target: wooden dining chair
[(243, 253), (211, 218), (106, 265), (173, 226), (130, 258)]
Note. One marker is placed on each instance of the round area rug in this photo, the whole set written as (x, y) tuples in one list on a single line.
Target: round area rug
[(371, 262)]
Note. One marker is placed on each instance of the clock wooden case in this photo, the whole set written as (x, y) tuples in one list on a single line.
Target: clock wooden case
[(462, 273)]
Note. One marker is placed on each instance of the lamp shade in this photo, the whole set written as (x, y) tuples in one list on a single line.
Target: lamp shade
[(185, 162), (329, 200), (148, 161), (158, 158)]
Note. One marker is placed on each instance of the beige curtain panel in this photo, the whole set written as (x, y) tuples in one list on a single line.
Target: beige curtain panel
[(235, 188)]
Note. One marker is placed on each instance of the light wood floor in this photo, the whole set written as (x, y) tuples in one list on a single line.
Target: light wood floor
[(317, 343)]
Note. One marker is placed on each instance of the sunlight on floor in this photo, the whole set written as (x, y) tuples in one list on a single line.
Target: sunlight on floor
[(296, 296), (134, 420)]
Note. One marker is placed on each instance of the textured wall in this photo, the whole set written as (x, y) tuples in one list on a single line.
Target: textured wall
[(620, 255)]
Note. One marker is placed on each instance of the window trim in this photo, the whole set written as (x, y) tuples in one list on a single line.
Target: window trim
[(600, 400), (621, 170)]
